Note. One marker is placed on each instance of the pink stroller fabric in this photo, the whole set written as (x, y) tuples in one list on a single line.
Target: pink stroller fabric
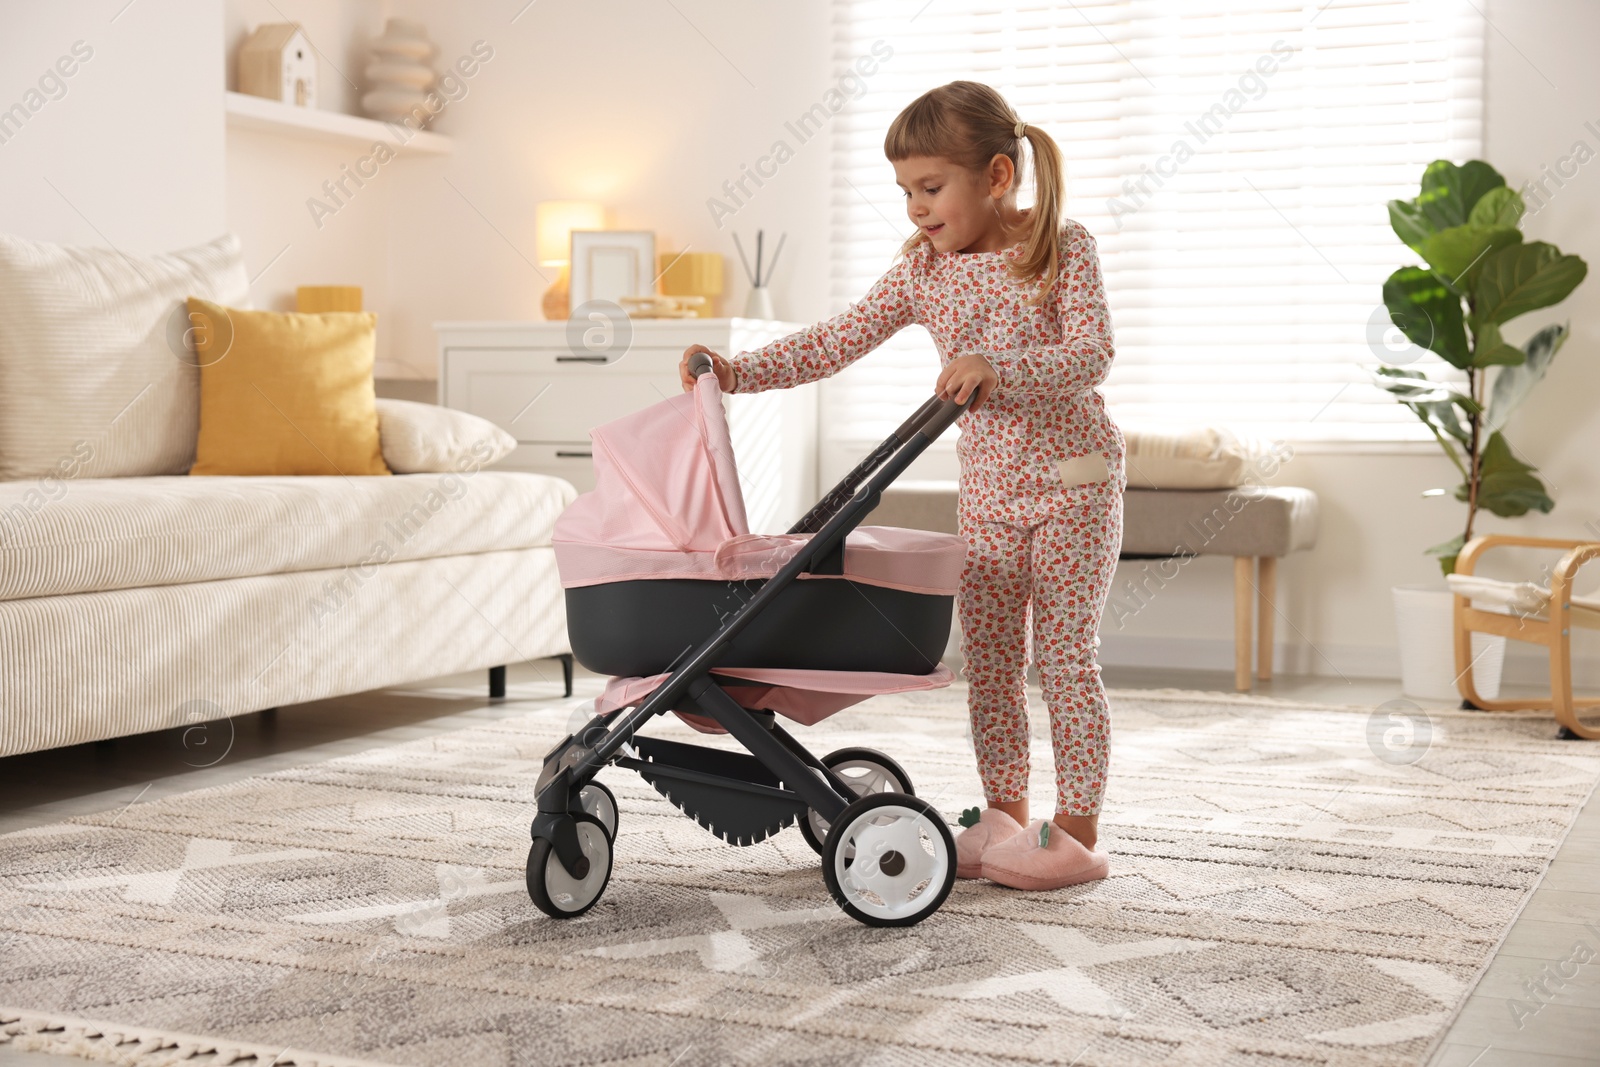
[(667, 504), (807, 697), (665, 487)]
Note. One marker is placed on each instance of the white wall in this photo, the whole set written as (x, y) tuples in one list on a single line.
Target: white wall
[(272, 176), (631, 104), (621, 102), (129, 152)]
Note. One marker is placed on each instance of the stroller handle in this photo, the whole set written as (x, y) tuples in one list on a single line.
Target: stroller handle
[(943, 416), (699, 364), (932, 419)]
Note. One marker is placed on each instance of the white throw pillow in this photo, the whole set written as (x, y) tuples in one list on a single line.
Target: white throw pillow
[(1197, 457), (97, 378), (426, 438)]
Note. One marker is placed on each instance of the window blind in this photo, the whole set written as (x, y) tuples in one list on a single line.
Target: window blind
[(1234, 165)]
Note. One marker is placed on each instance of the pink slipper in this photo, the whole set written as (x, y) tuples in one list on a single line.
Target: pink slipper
[(1020, 863), (993, 826)]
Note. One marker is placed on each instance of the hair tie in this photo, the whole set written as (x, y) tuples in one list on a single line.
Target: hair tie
[(1019, 128)]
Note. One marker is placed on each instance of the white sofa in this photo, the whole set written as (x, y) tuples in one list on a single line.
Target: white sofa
[(133, 604), (149, 601)]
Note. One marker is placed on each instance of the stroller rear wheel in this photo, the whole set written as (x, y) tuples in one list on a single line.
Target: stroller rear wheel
[(866, 771), (557, 893), (889, 860), (600, 802)]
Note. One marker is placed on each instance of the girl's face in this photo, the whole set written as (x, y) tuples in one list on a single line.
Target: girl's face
[(959, 211)]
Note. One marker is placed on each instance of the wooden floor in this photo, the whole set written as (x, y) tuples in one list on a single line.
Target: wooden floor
[(1560, 926)]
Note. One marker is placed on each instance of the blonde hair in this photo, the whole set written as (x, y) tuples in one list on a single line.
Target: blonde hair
[(969, 123)]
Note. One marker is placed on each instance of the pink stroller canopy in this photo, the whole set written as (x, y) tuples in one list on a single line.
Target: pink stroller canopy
[(667, 504), (665, 480)]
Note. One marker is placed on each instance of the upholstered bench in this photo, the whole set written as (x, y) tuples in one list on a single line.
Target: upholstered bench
[(1256, 525)]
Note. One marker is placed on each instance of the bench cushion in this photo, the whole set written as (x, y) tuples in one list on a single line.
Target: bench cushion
[(1252, 520), (1248, 521), (60, 537)]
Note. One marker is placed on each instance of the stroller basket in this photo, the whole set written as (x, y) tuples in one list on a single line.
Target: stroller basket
[(838, 625), (668, 592)]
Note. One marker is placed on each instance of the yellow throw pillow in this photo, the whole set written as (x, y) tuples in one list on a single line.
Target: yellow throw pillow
[(285, 393)]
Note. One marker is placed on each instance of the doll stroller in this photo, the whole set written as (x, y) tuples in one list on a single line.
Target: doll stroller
[(669, 593)]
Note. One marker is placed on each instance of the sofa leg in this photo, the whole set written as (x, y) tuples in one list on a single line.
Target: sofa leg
[(497, 682), (566, 672), (1241, 621), (1266, 594)]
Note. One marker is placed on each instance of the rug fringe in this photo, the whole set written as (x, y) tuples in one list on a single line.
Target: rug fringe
[(136, 1046)]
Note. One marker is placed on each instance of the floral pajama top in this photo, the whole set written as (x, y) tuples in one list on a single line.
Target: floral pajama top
[(1050, 359)]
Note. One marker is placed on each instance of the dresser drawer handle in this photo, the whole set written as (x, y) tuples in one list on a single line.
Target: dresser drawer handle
[(564, 454), (583, 359)]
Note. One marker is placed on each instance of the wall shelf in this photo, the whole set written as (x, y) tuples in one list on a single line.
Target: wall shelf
[(271, 116)]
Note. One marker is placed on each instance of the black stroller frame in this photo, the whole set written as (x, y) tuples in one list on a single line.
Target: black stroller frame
[(745, 798)]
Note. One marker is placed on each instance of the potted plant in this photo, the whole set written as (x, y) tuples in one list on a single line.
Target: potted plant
[(1479, 275)]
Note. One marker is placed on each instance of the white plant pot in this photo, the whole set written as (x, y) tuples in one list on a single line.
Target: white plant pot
[(1425, 622)]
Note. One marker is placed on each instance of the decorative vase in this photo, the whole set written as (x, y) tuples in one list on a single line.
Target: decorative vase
[(399, 78), (1425, 624), (758, 305)]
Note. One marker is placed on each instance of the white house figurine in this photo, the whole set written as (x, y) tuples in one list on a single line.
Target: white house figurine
[(276, 61)]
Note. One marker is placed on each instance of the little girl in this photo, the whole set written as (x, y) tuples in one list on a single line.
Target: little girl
[(1015, 305)]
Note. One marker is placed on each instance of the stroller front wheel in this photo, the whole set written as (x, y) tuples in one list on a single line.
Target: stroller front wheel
[(866, 771), (889, 860), (557, 893)]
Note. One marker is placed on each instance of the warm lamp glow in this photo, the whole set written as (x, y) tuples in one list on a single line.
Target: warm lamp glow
[(556, 219)]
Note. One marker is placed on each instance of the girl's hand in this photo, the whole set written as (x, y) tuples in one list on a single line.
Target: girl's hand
[(965, 376), (727, 377)]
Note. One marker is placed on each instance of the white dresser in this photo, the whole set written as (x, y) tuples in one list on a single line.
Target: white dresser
[(549, 383)]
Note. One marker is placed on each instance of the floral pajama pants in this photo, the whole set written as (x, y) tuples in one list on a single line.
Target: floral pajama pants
[(1060, 572)]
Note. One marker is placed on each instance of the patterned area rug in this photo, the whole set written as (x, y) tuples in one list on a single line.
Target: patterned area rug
[(1285, 889)]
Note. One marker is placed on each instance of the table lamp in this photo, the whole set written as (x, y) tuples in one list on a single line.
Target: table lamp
[(555, 220)]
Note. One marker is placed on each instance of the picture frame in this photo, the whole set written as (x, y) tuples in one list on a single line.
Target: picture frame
[(612, 264)]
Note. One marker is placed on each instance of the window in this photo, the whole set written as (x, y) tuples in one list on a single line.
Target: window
[(1233, 164)]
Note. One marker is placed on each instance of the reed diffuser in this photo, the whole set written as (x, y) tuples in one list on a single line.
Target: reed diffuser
[(758, 305)]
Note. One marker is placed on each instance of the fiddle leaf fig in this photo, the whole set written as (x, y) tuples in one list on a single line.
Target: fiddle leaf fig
[(1447, 551), (1428, 313), (1506, 485), (1512, 384), (1457, 254), (1408, 222), (1489, 349), (1522, 278), (1480, 274), (1499, 207), (1449, 193), (1435, 405)]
